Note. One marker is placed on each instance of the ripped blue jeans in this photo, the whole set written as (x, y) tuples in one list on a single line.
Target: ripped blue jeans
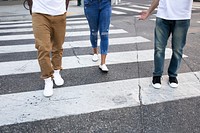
[(178, 30), (98, 14)]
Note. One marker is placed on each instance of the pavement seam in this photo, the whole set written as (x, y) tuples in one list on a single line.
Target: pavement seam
[(191, 69), (139, 83)]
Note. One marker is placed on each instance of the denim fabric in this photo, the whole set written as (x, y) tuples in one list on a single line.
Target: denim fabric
[(98, 14), (178, 31)]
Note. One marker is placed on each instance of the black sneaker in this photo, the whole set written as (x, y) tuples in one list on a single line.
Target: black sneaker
[(173, 82), (156, 82)]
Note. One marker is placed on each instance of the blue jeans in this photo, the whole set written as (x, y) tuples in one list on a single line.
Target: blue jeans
[(178, 30), (98, 14)]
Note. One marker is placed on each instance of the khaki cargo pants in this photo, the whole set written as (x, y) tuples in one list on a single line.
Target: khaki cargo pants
[(49, 32)]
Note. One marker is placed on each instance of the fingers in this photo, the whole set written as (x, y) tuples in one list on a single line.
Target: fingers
[(143, 15)]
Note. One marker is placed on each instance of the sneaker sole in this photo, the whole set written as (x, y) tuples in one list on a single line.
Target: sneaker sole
[(58, 84), (105, 71), (155, 86), (172, 85), (47, 95), (95, 60)]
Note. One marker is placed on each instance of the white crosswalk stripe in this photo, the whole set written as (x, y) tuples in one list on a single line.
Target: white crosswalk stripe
[(124, 8), (137, 6), (112, 41), (90, 98), (117, 12), (15, 22), (19, 24), (29, 66), (127, 9), (80, 99), (30, 29), (69, 34), (195, 7)]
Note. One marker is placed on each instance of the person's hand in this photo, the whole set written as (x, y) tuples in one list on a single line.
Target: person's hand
[(144, 15)]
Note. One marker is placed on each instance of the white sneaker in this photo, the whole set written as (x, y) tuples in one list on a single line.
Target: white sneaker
[(48, 88), (57, 78), (103, 68), (95, 57)]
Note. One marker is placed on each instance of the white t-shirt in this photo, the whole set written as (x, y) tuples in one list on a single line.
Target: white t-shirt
[(174, 9), (50, 7)]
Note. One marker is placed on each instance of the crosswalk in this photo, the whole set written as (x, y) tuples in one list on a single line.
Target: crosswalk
[(128, 8), (21, 89), (134, 8)]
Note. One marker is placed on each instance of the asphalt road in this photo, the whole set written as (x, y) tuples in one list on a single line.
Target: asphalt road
[(167, 115)]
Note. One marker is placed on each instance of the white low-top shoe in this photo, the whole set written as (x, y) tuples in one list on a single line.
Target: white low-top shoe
[(95, 57), (48, 88), (103, 68), (57, 78)]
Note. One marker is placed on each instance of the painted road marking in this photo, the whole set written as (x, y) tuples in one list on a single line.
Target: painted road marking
[(127, 9), (118, 12), (30, 24), (14, 22), (75, 100), (18, 22), (142, 7), (86, 43), (68, 27), (70, 62), (68, 34)]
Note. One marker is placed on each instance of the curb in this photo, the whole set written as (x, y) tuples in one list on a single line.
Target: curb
[(18, 12)]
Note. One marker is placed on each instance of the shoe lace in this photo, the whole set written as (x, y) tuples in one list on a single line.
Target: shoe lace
[(156, 79), (173, 80)]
